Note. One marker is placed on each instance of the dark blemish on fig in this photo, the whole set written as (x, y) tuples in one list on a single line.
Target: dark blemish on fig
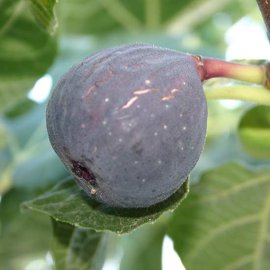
[(137, 148), (81, 171)]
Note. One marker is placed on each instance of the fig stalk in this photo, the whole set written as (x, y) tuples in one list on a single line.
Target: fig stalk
[(212, 68)]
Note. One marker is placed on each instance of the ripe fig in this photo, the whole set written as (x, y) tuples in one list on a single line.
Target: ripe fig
[(129, 123)]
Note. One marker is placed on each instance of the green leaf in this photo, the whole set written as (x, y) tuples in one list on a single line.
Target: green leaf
[(3, 137), (6, 156), (22, 107), (104, 16), (67, 203), (254, 132), (28, 125), (37, 167), (76, 248), (142, 248), (33, 164), (225, 221), (26, 52), (23, 237), (43, 11)]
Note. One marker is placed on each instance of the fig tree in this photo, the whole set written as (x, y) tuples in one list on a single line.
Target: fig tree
[(129, 123)]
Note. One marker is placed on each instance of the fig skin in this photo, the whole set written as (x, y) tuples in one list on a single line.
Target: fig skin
[(129, 123)]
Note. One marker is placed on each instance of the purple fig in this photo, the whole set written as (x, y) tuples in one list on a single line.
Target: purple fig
[(129, 123)]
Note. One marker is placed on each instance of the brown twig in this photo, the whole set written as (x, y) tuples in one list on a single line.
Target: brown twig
[(264, 6)]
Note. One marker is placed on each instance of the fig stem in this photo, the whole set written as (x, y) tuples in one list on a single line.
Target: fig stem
[(264, 6), (248, 93), (212, 68)]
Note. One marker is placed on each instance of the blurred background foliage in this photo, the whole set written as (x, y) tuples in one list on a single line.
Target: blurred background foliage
[(39, 41)]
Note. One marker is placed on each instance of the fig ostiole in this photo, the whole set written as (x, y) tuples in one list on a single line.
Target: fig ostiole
[(129, 123)]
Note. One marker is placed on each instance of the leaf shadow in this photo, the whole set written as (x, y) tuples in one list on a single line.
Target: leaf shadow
[(158, 208)]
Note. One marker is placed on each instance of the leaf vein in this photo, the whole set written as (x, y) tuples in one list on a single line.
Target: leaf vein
[(121, 14), (262, 238), (239, 263), (237, 188), (221, 230)]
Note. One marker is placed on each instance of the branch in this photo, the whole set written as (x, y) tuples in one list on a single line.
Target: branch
[(254, 94), (264, 6)]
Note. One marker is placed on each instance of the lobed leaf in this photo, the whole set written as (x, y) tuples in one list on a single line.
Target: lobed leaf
[(26, 52), (104, 16), (225, 221), (67, 203)]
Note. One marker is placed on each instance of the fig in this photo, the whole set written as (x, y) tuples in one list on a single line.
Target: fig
[(129, 123)]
